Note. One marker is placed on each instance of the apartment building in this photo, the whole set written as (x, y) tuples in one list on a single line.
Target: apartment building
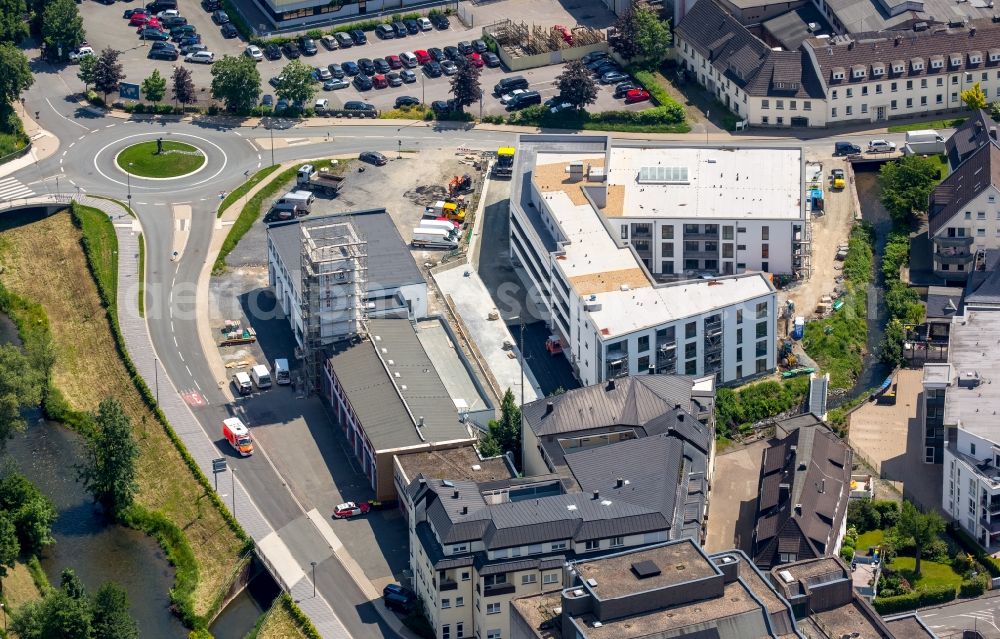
[(589, 222), (960, 402), (669, 590), (476, 545)]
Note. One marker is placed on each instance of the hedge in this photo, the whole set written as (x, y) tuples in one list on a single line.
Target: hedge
[(911, 601), (974, 587), (970, 546), (648, 80)]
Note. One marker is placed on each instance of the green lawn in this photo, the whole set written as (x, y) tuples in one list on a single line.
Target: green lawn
[(101, 245), (176, 159), (869, 539), (942, 161), (931, 573), (947, 123)]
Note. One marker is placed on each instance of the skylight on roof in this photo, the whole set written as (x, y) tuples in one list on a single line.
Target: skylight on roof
[(663, 175)]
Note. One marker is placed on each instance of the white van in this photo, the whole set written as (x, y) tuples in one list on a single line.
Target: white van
[(241, 381), (444, 225), (261, 376), (299, 202), (281, 372)]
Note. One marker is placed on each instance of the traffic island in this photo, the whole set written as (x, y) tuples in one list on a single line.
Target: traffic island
[(160, 159)]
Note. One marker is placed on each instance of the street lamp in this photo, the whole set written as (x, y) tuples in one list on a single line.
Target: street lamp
[(128, 177), (313, 564), (399, 151)]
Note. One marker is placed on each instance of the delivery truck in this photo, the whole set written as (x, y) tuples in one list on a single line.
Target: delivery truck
[(261, 376), (320, 180), (433, 238), (281, 372), (238, 436)]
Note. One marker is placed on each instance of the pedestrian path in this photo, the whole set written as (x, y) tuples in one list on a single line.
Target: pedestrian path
[(13, 189)]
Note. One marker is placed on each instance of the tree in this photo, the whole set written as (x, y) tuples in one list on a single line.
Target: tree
[(296, 83), (576, 85), (20, 387), (236, 81), (465, 88), (183, 87), (110, 472), (31, 512), (71, 584), (55, 615), (62, 28), (112, 619), (13, 27), (974, 97), (16, 77), (504, 435), (154, 87), (995, 110), (652, 34), (907, 185), (923, 528), (87, 70), (108, 73), (623, 41), (10, 547), (891, 348)]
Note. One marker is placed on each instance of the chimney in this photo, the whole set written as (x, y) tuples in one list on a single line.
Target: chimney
[(549, 407), (597, 495), (611, 382), (619, 482), (420, 421), (850, 45), (454, 495), (465, 510), (798, 509), (993, 133), (680, 418)]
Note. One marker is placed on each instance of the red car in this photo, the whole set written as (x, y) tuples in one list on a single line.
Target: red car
[(422, 56), (380, 81), (567, 35), (350, 509), (137, 19), (636, 95), (394, 62), (475, 59)]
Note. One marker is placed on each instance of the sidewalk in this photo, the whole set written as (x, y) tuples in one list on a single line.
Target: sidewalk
[(43, 145), (270, 547)]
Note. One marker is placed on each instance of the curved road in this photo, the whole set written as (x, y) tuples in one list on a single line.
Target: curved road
[(88, 144)]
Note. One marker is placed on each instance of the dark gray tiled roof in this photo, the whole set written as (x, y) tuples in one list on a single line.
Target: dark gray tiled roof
[(983, 287), (744, 58), (943, 301), (972, 134), (972, 177), (390, 264), (792, 27), (537, 563), (387, 412)]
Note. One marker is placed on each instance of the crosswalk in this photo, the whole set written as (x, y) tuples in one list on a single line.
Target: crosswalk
[(12, 189)]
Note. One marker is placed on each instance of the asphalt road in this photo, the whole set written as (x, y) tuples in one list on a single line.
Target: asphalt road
[(972, 614), (85, 160)]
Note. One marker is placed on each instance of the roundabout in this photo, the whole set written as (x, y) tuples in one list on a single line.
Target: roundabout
[(160, 159)]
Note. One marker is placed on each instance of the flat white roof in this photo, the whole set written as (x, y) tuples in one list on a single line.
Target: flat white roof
[(720, 183), (972, 344)]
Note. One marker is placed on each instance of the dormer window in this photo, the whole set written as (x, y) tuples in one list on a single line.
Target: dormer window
[(917, 64), (858, 71), (975, 57), (878, 69), (956, 59), (994, 55), (838, 73), (937, 62), (898, 66)]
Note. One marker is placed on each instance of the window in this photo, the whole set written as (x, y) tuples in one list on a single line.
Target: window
[(909, 85), (761, 310), (765, 233), (642, 368), (460, 603), (940, 82), (968, 215), (850, 109), (495, 580), (765, 104), (690, 330), (834, 94), (691, 349), (739, 371), (727, 232), (864, 108), (459, 548), (617, 542), (791, 104), (786, 557), (739, 335), (667, 232), (892, 87), (446, 631), (593, 544), (807, 105), (878, 89), (980, 232), (892, 105), (779, 104), (667, 249), (529, 579), (833, 112), (909, 103), (764, 266), (459, 630), (727, 251), (493, 633), (551, 578), (765, 251), (939, 99), (954, 96), (923, 100), (981, 215), (761, 329), (739, 353), (972, 449), (761, 366), (739, 316), (850, 93), (691, 367), (493, 608), (624, 231), (923, 83), (465, 575), (445, 602)]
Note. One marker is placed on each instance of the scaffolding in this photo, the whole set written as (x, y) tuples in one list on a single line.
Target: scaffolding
[(519, 39), (334, 273)]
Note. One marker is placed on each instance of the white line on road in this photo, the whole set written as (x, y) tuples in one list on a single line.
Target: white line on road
[(258, 156), (175, 342), (181, 355), (71, 145), (81, 137), (109, 126), (933, 614), (64, 117), (172, 326), (189, 370), (197, 384)]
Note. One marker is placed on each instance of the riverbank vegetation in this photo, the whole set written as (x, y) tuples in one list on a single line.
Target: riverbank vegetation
[(69, 321)]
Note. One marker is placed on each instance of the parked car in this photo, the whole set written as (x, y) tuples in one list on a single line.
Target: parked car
[(229, 30), (308, 46), (163, 53), (192, 48), (421, 55), (351, 68), (449, 67), (220, 17), (400, 29), (385, 32), (412, 27), (440, 21), (433, 69), (130, 12), (409, 60), (567, 35), (398, 590), (201, 57), (594, 56), (336, 70), (425, 24), (321, 105), (408, 76), (275, 81), (837, 179), (175, 21), (465, 47), (358, 36), (524, 99), (381, 66), (137, 19), (364, 109), (335, 83), (405, 100), (599, 63), (254, 53), (367, 66), (373, 157), (267, 100), (322, 74), (329, 42), (81, 53), (845, 148), (437, 54), (475, 60), (398, 603), (272, 52), (624, 88), (394, 78), (291, 50), (555, 104), (189, 40), (153, 34), (881, 146), (509, 83), (184, 30), (452, 53), (379, 81), (168, 13), (344, 40), (350, 509), (492, 60), (211, 5), (479, 46), (281, 106), (363, 82), (441, 106), (394, 61), (611, 77), (636, 95)]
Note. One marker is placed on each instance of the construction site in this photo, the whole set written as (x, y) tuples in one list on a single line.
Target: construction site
[(523, 46)]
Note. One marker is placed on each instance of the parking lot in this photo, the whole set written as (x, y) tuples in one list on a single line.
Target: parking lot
[(106, 27)]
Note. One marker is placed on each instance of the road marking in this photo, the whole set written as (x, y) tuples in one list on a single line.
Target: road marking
[(81, 137), (258, 157), (12, 189), (188, 368), (197, 384), (65, 118), (182, 229), (61, 161), (933, 614), (238, 133), (171, 326), (109, 126), (175, 342), (181, 355)]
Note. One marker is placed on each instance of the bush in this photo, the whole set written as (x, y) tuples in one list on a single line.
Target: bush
[(967, 543), (847, 554), (974, 587), (911, 601), (757, 402), (95, 99)]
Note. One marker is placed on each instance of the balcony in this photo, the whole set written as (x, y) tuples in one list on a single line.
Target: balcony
[(701, 254), (448, 584), (499, 589), (957, 257), (942, 241), (701, 235)]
